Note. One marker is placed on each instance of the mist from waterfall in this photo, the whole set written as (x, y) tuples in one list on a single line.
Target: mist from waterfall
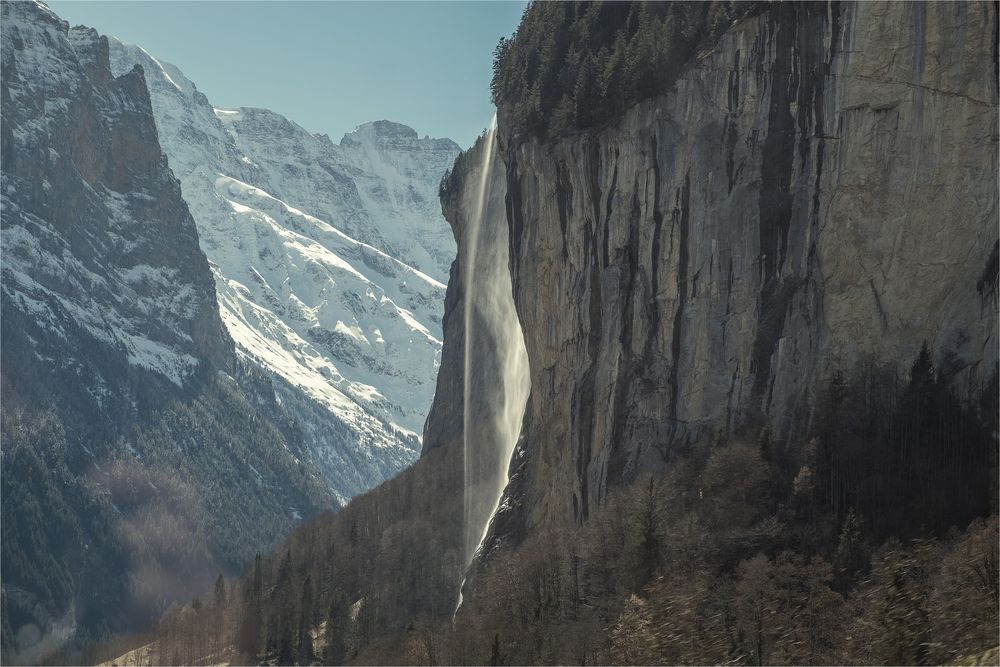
[(496, 378)]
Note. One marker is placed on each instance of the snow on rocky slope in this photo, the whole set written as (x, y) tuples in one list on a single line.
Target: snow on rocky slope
[(141, 457), (329, 262), (117, 283)]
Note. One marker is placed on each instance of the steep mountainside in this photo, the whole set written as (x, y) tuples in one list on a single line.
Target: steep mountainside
[(141, 456), (760, 311), (816, 195), (315, 248)]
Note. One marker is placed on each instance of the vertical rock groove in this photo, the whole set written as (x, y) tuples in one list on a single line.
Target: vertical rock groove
[(676, 339), (806, 171)]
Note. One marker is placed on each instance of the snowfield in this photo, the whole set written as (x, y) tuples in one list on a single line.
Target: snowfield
[(329, 260)]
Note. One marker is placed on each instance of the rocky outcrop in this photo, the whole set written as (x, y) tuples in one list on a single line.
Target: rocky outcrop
[(817, 191), (80, 146)]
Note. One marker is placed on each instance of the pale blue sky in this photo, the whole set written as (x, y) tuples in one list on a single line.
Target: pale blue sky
[(328, 66)]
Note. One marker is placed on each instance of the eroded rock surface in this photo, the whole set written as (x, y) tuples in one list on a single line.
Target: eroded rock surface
[(816, 191)]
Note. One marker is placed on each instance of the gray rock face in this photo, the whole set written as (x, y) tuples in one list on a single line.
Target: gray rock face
[(817, 191), (83, 180)]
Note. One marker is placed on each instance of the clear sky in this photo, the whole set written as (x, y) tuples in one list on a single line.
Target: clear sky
[(328, 66)]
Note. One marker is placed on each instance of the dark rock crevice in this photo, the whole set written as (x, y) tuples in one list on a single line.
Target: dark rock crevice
[(791, 160), (683, 219)]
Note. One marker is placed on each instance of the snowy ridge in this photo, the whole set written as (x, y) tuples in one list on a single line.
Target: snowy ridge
[(379, 185), (329, 262)]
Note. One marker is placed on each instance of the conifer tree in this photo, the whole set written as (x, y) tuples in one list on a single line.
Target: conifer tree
[(304, 633), (335, 632), (250, 624), (849, 558), (649, 538), (219, 594)]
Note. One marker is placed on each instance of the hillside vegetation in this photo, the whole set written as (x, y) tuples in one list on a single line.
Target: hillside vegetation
[(146, 517), (576, 65), (741, 552)]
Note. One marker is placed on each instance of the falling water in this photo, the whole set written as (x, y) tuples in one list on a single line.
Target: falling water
[(472, 250), (496, 363)]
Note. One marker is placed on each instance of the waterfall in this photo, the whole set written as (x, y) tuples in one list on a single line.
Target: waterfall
[(496, 378)]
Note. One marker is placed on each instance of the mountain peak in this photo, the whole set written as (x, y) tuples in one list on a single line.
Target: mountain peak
[(388, 133), (380, 132), (387, 128), (124, 56)]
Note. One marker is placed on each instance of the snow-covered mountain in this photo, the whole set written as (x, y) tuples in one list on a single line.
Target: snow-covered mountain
[(329, 259), (141, 455)]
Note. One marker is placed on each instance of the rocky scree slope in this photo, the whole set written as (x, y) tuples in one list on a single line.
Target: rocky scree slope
[(816, 192), (141, 456), (329, 263)]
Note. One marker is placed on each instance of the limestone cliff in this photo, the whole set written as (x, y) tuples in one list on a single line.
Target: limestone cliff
[(816, 191)]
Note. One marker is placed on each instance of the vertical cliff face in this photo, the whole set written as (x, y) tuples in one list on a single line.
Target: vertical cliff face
[(815, 192), (81, 158)]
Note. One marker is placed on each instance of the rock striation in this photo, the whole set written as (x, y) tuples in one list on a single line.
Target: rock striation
[(816, 192)]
